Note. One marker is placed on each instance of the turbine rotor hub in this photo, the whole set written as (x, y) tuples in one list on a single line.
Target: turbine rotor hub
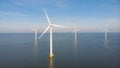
[(51, 25)]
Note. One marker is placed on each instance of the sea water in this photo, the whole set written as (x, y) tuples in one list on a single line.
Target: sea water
[(88, 50)]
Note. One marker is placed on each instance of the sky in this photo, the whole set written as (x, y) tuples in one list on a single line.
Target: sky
[(22, 16)]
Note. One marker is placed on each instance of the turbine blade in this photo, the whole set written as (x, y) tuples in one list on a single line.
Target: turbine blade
[(59, 26), (46, 16), (44, 32)]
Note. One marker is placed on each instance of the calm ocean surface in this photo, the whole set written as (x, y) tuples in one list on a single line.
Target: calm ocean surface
[(89, 50)]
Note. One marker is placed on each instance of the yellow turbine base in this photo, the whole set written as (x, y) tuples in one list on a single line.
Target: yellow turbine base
[(51, 56)]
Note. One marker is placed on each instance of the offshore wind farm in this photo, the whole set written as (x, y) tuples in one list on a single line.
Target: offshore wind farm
[(59, 34)]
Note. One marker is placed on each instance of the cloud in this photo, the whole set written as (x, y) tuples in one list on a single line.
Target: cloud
[(84, 23), (40, 3), (113, 25), (23, 2), (11, 13), (90, 24), (62, 4), (16, 27)]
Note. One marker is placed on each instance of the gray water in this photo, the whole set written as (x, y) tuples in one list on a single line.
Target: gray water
[(89, 50)]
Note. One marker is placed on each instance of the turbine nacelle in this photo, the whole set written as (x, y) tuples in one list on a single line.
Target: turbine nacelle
[(50, 25)]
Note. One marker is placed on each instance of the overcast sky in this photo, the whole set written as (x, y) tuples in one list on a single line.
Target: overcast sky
[(86, 15)]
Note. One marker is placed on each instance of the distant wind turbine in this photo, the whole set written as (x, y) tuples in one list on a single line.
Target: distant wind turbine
[(75, 37), (75, 33), (50, 26)]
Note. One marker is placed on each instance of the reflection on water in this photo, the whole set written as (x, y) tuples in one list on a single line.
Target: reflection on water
[(51, 64), (35, 50), (36, 46), (105, 42), (75, 49), (75, 43), (80, 52)]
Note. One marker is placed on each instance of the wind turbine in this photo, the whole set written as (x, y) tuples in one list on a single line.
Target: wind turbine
[(50, 27), (75, 33), (75, 37)]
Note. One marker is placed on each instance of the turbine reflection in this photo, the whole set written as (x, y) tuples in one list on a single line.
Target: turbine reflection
[(105, 41), (36, 45), (51, 64), (75, 42), (36, 50), (75, 48)]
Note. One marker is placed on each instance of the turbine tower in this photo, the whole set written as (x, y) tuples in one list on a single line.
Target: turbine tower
[(50, 27), (35, 31)]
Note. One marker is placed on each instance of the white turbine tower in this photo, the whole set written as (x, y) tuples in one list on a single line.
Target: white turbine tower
[(50, 26), (36, 29)]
